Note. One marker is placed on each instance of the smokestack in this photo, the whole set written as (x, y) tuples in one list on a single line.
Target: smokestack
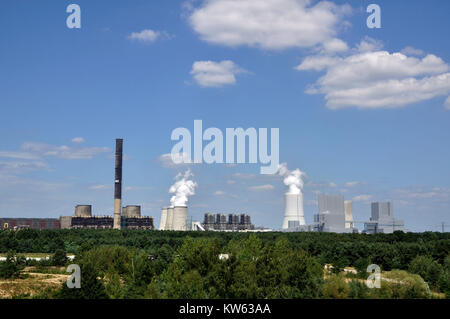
[(162, 224), (118, 183), (180, 218)]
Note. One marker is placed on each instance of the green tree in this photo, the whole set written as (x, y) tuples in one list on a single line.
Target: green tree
[(428, 269), (91, 286), (335, 287), (12, 266), (59, 258)]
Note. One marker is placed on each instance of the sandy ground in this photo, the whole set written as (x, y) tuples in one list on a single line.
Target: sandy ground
[(35, 284)]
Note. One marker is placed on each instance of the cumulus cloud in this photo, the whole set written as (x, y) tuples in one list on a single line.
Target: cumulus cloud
[(377, 79), (261, 188), (269, 24), (148, 35), (215, 74)]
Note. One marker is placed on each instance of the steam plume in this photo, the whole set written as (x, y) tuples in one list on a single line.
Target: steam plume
[(292, 179), (183, 188)]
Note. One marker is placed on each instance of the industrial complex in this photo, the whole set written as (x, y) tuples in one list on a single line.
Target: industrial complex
[(334, 213)]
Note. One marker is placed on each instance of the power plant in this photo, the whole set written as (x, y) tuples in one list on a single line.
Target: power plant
[(222, 222), (334, 213), (293, 211), (128, 217)]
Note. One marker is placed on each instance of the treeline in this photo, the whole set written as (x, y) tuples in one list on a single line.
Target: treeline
[(242, 268), (233, 265), (390, 251)]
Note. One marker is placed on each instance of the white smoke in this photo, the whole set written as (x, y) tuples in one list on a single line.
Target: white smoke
[(183, 188), (292, 179)]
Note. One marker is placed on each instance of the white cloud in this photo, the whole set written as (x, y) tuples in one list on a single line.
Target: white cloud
[(269, 24), (261, 188), (18, 167), (351, 184), (167, 161), (219, 193), (78, 140), (332, 184), (215, 74), (65, 152), (18, 155), (378, 79), (447, 103), (362, 198), (369, 44), (148, 35), (99, 187), (335, 45), (412, 51)]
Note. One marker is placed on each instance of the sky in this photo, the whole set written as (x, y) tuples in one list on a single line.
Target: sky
[(363, 112)]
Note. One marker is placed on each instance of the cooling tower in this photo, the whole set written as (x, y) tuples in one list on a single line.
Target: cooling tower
[(180, 218), (131, 211), (293, 210), (162, 224), (118, 183), (169, 220), (83, 211)]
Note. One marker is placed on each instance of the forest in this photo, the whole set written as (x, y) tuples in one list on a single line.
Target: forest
[(155, 264)]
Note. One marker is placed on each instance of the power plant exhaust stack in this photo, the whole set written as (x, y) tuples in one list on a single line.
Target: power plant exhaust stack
[(118, 183)]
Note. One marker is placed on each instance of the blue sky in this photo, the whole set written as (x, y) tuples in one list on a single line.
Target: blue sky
[(387, 140)]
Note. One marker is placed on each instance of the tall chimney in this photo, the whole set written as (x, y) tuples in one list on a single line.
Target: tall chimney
[(118, 183)]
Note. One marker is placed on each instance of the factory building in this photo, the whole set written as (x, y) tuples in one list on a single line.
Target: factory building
[(382, 219), (222, 222), (32, 223), (130, 219), (331, 216)]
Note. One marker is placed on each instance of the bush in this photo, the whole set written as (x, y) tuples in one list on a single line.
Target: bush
[(428, 269), (59, 258), (12, 266), (335, 287), (401, 285)]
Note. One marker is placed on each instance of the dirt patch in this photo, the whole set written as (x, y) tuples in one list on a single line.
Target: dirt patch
[(32, 284)]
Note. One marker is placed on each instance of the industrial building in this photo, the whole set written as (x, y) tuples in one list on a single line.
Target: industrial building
[(382, 219), (230, 222), (128, 217), (32, 223), (331, 216), (336, 215)]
